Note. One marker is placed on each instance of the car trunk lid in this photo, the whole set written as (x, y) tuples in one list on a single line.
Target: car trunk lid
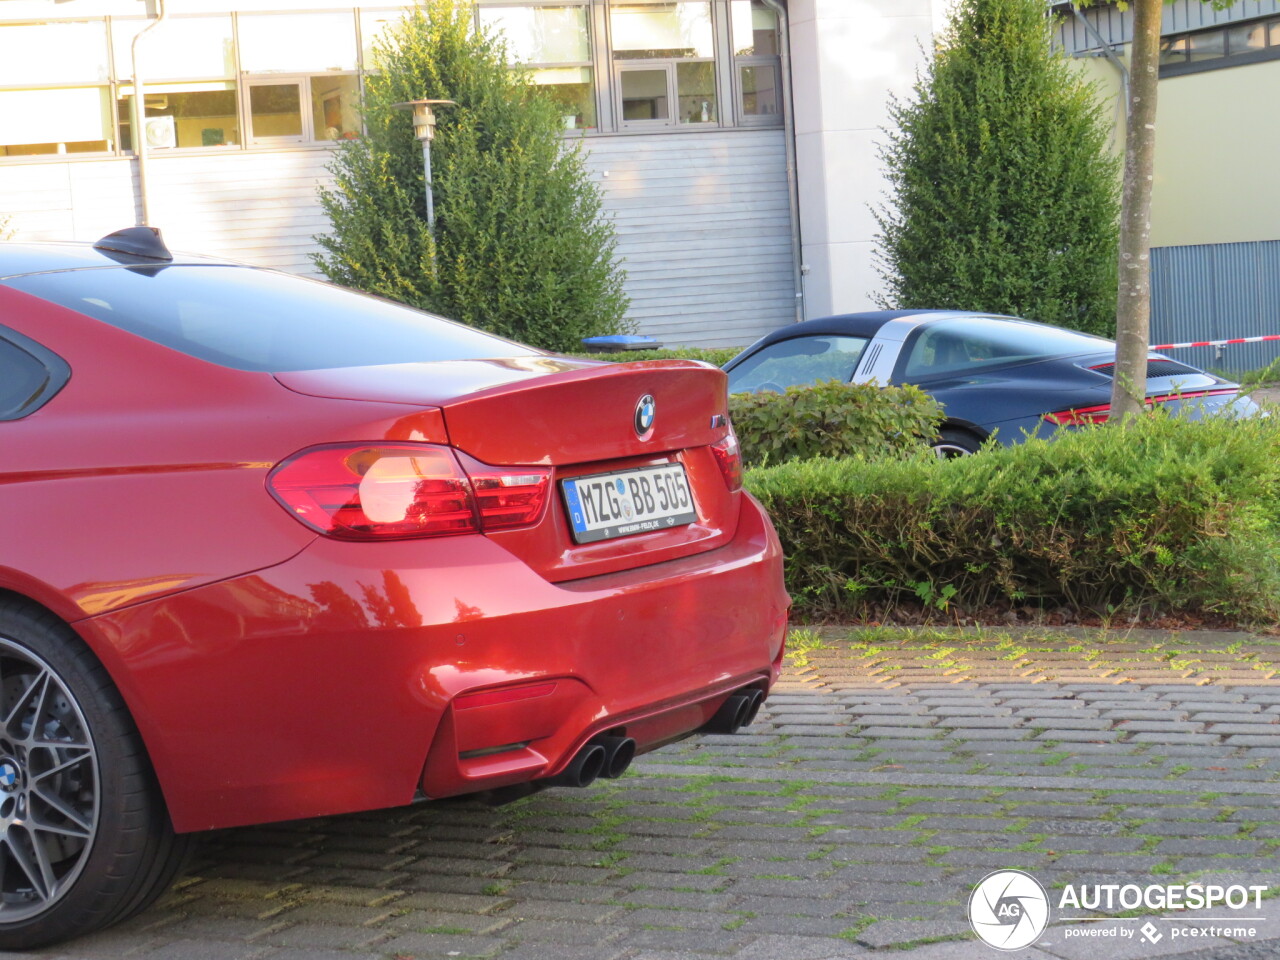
[(575, 419)]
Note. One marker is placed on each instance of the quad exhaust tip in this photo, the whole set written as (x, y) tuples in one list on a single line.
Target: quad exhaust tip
[(605, 756), (738, 711), (619, 752)]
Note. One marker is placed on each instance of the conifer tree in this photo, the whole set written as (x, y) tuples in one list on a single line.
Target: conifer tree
[(1004, 191), (520, 247)]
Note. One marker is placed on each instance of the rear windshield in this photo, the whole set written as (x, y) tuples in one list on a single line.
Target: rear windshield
[(1156, 367), (260, 320)]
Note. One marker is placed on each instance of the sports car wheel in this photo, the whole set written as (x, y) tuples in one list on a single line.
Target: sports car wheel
[(955, 443), (85, 840)]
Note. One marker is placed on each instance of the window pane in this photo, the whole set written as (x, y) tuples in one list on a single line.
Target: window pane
[(1247, 38), (1173, 51), (1208, 46), (570, 87), (335, 103), (188, 47), (755, 29), (950, 346), (373, 24), (53, 53), (22, 379), (1274, 33), (293, 43), (260, 320), (275, 110), (799, 362), (76, 120), (644, 95), (184, 115), (541, 34), (658, 30), (760, 94), (696, 89)]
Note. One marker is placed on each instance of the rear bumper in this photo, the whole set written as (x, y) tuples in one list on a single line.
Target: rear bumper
[(330, 683)]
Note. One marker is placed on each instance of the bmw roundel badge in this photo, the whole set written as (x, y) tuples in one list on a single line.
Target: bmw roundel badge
[(646, 408)]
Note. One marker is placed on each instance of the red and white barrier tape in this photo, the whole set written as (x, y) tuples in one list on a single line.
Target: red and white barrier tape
[(1214, 343)]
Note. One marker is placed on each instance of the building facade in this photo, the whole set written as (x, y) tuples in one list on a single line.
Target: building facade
[(1215, 207), (734, 140)]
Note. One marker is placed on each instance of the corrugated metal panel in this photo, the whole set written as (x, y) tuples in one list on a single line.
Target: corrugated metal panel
[(703, 220), (1217, 292), (704, 232), (257, 207), (1116, 26)]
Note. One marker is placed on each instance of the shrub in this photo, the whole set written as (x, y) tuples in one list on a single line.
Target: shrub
[(520, 245), (833, 419), (1165, 515), (1004, 190)]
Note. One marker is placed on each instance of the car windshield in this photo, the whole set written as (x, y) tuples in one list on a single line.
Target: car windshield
[(253, 319), (800, 361), (968, 343)]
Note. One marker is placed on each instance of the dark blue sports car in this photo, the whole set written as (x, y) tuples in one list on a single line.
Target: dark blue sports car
[(993, 375)]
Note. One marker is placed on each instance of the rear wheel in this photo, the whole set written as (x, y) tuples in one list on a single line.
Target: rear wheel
[(953, 443), (85, 840)]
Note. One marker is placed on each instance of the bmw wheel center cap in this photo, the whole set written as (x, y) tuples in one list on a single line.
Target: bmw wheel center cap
[(646, 410), (8, 776)]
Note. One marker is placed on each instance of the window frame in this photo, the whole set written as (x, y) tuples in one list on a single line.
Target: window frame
[(624, 64), (594, 40), (120, 79), (1185, 65), (737, 63), (300, 83)]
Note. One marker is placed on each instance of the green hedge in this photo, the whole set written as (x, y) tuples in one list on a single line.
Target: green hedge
[(1165, 515), (833, 419)]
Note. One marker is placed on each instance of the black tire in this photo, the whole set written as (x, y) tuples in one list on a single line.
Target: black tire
[(85, 839), (952, 443)]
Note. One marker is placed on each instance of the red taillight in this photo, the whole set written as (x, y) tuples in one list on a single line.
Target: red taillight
[(505, 497), (1099, 414), (729, 457), (396, 491), (1080, 416)]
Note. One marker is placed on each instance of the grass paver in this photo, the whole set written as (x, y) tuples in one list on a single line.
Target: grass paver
[(889, 772)]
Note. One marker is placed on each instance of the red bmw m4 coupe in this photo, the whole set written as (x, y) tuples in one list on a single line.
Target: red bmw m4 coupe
[(276, 549)]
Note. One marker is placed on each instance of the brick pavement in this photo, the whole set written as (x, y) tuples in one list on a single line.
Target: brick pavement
[(888, 774)]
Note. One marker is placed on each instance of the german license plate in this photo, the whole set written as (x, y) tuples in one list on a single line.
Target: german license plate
[(607, 505)]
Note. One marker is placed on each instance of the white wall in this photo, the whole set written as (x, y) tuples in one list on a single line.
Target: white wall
[(847, 57)]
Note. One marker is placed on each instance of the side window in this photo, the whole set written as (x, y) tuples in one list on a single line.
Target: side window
[(968, 343), (28, 377), (799, 362), (941, 349)]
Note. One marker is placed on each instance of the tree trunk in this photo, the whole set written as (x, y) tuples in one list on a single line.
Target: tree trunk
[(1133, 310)]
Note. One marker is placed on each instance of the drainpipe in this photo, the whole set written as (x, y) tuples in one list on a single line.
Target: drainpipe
[(1107, 52), (793, 191), (138, 116)]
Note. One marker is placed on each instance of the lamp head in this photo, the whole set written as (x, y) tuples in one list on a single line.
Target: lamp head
[(424, 118)]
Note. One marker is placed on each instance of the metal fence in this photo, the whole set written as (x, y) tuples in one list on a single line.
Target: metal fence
[(1217, 292)]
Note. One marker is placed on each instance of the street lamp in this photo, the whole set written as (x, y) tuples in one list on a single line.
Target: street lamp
[(424, 128)]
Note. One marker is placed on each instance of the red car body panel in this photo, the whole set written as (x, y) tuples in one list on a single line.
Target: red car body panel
[(275, 673), (317, 686)]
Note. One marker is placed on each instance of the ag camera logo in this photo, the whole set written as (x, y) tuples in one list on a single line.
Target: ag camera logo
[(1009, 910)]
